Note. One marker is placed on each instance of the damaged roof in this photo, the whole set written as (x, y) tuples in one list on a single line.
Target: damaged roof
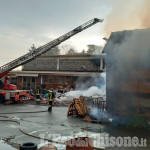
[(119, 37)]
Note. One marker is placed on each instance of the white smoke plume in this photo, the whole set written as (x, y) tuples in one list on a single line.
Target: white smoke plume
[(99, 89)]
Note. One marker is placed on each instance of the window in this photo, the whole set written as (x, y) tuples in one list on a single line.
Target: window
[(28, 83), (68, 79), (56, 79), (33, 79), (59, 79), (24, 82), (50, 79), (62, 79), (39, 80), (33, 83), (45, 79)]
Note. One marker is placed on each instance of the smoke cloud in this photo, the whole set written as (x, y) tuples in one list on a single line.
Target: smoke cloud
[(127, 69), (88, 90), (127, 15)]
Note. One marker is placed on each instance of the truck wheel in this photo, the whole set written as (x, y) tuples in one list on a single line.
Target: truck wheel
[(28, 146), (1, 84), (2, 99)]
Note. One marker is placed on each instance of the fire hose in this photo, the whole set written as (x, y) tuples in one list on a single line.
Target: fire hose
[(20, 128), (25, 112)]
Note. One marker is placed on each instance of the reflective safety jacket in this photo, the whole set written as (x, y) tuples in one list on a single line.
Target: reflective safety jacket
[(37, 92), (51, 96)]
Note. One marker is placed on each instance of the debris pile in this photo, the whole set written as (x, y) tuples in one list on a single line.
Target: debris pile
[(78, 107)]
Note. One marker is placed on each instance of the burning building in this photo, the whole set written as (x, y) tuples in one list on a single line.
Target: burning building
[(128, 72)]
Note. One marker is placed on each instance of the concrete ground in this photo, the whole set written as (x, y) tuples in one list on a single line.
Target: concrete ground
[(56, 124)]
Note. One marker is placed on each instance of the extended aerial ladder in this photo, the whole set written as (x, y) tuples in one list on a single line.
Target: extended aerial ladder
[(43, 49)]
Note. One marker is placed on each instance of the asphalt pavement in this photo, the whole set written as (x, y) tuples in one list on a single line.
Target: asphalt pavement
[(55, 125)]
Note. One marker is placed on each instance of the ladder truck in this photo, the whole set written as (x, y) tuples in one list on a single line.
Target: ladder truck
[(9, 92)]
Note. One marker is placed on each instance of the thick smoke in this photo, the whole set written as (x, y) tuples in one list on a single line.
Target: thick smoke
[(88, 90), (133, 120), (127, 15), (127, 57)]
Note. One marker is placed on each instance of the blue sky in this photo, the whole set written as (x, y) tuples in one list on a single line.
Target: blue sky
[(24, 22)]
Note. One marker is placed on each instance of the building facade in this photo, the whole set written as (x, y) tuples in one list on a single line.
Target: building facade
[(58, 71)]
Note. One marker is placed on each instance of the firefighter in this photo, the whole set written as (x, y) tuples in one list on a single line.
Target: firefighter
[(51, 97), (38, 95), (7, 81)]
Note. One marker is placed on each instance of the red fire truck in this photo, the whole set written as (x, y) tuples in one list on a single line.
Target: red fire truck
[(9, 92)]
